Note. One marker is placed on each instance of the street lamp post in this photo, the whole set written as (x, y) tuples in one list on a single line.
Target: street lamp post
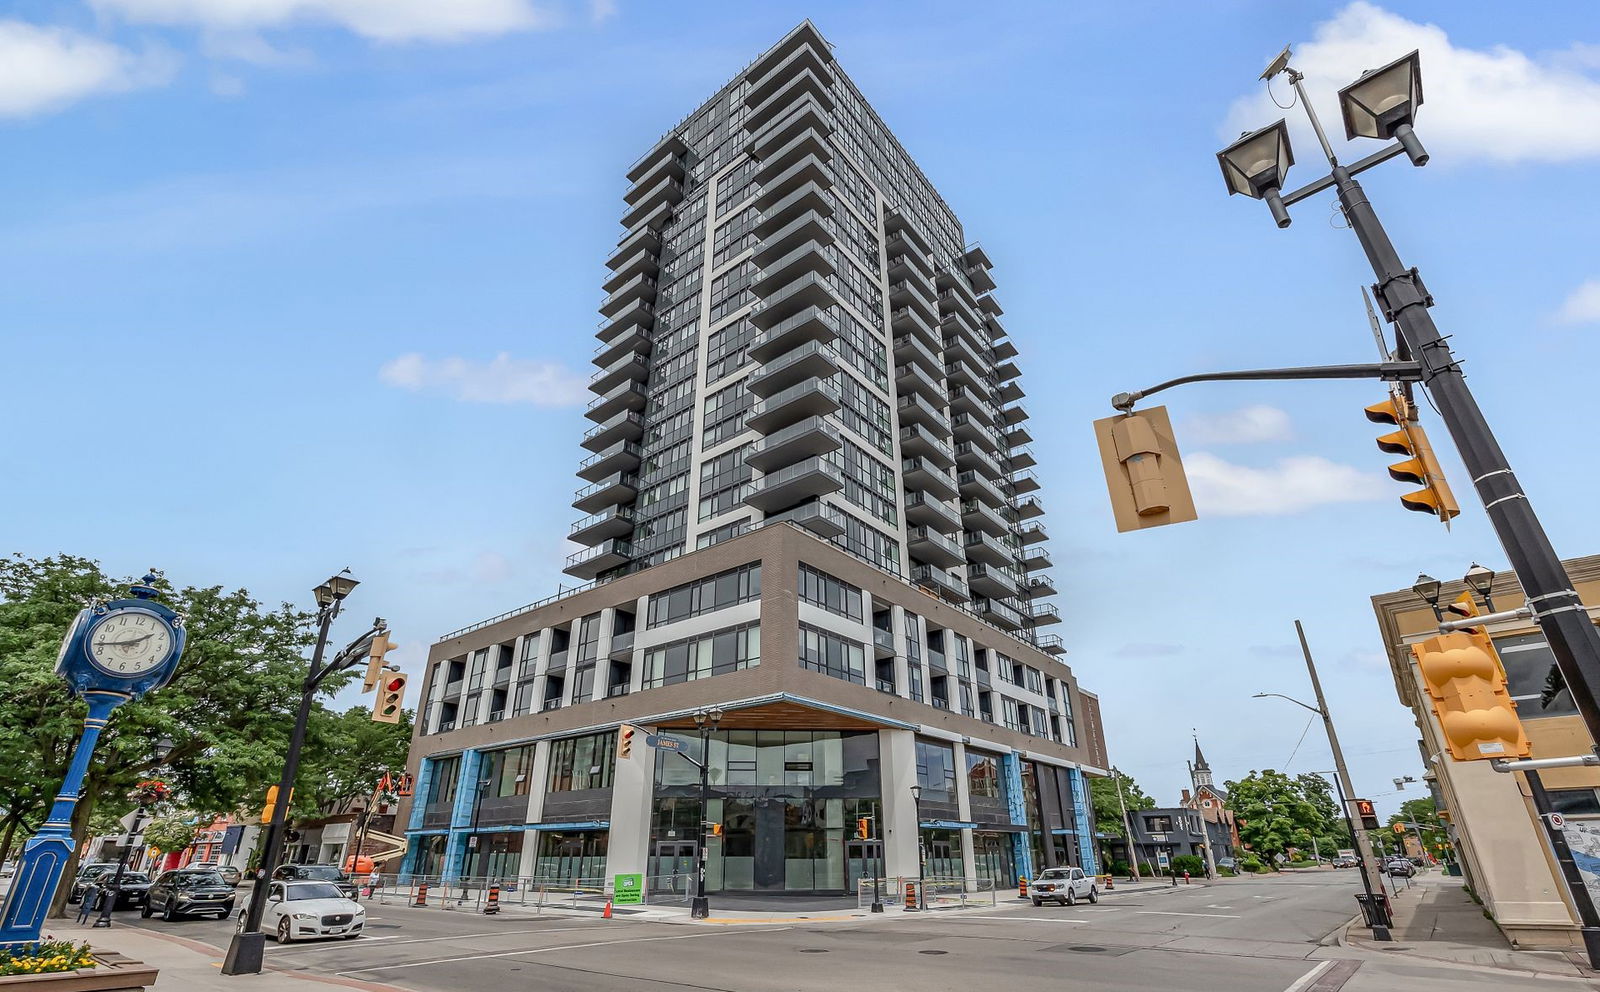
[(245, 949), (877, 874), (1382, 104), (706, 720), (922, 859), (1347, 789), (109, 899)]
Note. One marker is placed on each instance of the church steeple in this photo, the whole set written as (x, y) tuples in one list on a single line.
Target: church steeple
[(1202, 771)]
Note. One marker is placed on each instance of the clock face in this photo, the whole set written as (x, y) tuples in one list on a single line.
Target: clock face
[(130, 643)]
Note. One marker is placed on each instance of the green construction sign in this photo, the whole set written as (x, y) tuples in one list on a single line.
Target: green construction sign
[(627, 890)]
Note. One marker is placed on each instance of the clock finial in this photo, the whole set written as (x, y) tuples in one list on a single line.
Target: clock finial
[(145, 588)]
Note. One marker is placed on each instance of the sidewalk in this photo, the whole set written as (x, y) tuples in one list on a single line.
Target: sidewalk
[(1437, 920), (190, 966)]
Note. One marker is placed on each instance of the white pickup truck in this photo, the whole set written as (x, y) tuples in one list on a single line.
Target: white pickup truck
[(1064, 885)]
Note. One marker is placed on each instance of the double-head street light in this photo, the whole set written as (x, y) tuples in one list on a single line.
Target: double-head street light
[(245, 949), (706, 720)]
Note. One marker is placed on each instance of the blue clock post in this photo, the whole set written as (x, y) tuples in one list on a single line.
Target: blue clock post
[(114, 652)]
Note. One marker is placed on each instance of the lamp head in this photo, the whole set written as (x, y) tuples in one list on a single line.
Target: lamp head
[(1257, 166), (163, 749), (1428, 588), (1384, 100), (715, 715), (916, 792), (335, 589), (699, 718), (1479, 579)]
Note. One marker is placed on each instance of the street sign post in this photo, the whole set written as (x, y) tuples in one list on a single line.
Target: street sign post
[(627, 890), (663, 742)]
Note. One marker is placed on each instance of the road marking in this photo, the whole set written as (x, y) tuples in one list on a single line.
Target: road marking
[(547, 950), (1042, 919), (1215, 916), (1301, 983), (425, 940), (1212, 905)]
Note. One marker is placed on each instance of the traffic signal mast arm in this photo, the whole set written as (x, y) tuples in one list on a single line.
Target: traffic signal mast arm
[(1388, 371)]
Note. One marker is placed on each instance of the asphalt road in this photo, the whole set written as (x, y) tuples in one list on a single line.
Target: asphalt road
[(1244, 935)]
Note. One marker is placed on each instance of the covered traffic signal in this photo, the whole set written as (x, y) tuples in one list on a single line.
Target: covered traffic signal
[(391, 696), (381, 645), (864, 827), (1144, 472), (271, 805), (625, 742), (1467, 689), (1422, 468)]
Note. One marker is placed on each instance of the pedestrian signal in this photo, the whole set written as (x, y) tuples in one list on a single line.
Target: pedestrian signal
[(1367, 813)]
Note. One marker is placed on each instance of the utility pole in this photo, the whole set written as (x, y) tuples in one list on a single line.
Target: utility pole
[(1127, 826), (1211, 861), (1347, 787)]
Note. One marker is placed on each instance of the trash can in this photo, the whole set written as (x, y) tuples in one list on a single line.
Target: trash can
[(1375, 909)]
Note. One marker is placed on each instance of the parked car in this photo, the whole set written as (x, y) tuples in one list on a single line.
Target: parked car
[(188, 892), (1064, 885), (331, 874), (309, 909), (131, 891), (86, 876), (1399, 867), (229, 873), (1346, 861), (1229, 863)]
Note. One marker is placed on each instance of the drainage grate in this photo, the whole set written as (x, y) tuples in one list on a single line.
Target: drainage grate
[(933, 952), (813, 950), (1086, 948)]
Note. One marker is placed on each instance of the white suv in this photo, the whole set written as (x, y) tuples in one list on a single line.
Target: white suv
[(1064, 885)]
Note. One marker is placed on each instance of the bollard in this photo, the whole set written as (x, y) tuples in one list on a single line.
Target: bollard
[(1186, 876), (1111, 884), (492, 905), (422, 895), (911, 897), (1022, 886)]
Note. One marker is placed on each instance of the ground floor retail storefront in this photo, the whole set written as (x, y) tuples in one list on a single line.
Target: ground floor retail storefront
[(784, 810)]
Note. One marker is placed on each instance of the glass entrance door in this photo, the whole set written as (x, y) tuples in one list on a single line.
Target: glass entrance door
[(673, 867), (862, 861), (995, 859)]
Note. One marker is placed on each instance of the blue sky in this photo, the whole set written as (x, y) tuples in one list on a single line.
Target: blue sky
[(298, 284)]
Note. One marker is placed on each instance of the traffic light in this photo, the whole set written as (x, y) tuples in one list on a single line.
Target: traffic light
[(381, 645), (1422, 467), (714, 829), (864, 828), (1368, 814), (625, 742), (272, 803), (391, 696), (1467, 689), (1144, 472), (1399, 828)]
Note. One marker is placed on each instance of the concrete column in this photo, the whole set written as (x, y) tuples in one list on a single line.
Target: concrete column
[(636, 674), (632, 794), (969, 856), (538, 774), (902, 667), (897, 765)]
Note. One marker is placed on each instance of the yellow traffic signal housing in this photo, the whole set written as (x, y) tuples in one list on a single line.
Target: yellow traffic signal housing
[(863, 828), (625, 742), (1144, 472), (715, 829), (1467, 689), (391, 696), (1422, 468), (381, 645), (271, 805)]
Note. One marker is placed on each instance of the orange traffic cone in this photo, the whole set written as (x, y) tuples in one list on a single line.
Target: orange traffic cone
[(607, 914)]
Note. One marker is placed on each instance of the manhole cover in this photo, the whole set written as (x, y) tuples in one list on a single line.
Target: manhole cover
[(1086, 948), (933, 952), (813, 950), (1395, 948)]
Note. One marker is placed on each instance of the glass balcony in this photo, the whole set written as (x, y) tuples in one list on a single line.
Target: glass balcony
[(623, 396), (1015, 437), (626, 425), (810, 397), (811, 436), (968, 429), (915, 379), (992, 581), (804, 83), (615, 521), (1049, 643), (914, 323), (1044, 614), (807, 141), (808, 196), (953, 287), (974, 485), (802, 49), (962, 373), (1003, 348), (807, 257), (1035, 558), (807, 169), (987, 548), (919, 473), (671, 146), (911, 350), (610, 491), (883, 644), (639, 313), (812, 360), (1009, 392), (808, 226), (924, 510), (779, 131), (1021, 458), (1024, 482), (622, 456), (1032, 532), (914, 409), (947, 585), (928, 545), (1041, 585), (643, 261), (909, 293), (1013, 415), (979, 516), (813, 323), (799, 482), (621, 650), (995, 612), (1029, 508), (644, 239), (1006, 371), (973, 456), (972, 403), (634, 339), (808, 290), (980, 278), (640, 287), (918, 442), (631, 367), (819, 518), (897, 223), (665, 193), (600, 558)]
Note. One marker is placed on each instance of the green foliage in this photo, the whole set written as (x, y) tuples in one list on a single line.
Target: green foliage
[(1107, 806), (1119, 868), (1191, 863), (1226, 872), (170, 834), (1250, 866), (45, 957), (345, 755), (1276, 812)]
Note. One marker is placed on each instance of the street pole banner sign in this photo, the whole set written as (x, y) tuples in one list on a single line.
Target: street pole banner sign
[(627, 890), (1583, 837)]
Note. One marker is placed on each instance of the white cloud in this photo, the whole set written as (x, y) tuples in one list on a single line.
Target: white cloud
[(48, 68), (503, 379), (601, 11), (1290, 485), (380, 20), (1497, 103), (1246, 425), (1583, 306)]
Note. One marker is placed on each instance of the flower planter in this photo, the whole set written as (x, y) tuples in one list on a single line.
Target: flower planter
[(116, 973)]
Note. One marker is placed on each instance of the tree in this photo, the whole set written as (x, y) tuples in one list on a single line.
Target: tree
[(346, 753), (1108, 806), (227, 710), (1275, 812), (1423, 812), (170, 833)]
